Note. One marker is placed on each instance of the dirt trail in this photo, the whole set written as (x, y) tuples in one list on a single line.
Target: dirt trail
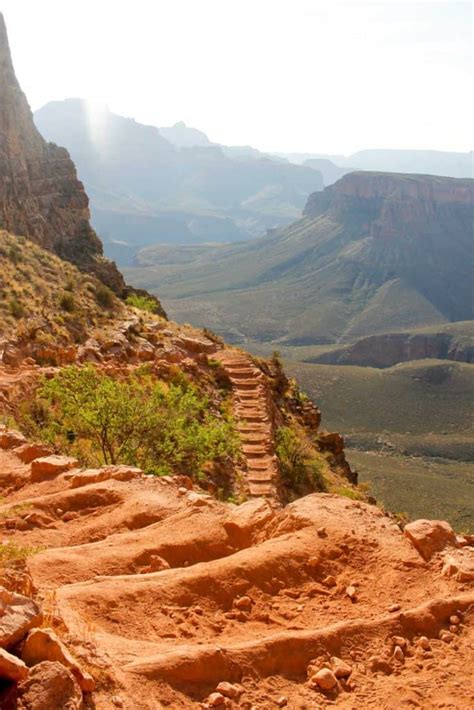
[(253, 414), (163, 594)]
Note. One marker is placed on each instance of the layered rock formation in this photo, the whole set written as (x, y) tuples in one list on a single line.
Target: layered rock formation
[(374, 253), (40, 195)]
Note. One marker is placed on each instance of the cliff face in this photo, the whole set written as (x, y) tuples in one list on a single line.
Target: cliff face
[(40, 195)]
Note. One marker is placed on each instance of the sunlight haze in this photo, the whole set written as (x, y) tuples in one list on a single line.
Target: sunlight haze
[(299, 75)]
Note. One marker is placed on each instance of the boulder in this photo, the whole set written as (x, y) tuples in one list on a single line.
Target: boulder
[(430, 536), (44, 645), (324, 679), (19, 614), (29, 452), (247, 519), (50, 686), (11, 439), (47, 467), (11, 667)]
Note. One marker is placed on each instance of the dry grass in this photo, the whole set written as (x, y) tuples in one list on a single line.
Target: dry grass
[(46, 298)]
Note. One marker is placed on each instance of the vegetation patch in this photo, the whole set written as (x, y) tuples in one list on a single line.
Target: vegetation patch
[(164, 428)]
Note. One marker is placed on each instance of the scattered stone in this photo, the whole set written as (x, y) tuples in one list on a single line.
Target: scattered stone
[(182, 491), (424, 643), (11, 667), (393, 608), (379, 665), (446, 636), (282, 701), (243, 603), (117, 701), (454, 629), (230, 690), (48, 467), (157, 564), (430, 536), (18, 614), (329, 581), (400, 641), (398, 654), (70, 515), (314, 562), (351, 593), (325, 679), (454, 620), (39, 520), (215, 700), (44, 645), (322, 532), (50, 685), (340, 667)]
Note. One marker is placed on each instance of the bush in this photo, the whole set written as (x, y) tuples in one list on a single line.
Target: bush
[(67, 302), (138, 421), (104, 296), (144, 303), (300, 469), (16, 308)]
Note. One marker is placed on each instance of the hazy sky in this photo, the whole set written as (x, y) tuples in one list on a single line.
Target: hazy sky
[(289, 75)]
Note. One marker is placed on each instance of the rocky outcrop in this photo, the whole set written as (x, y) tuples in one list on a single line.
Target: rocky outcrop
[(41, 196), (407, 193), (388, 349)]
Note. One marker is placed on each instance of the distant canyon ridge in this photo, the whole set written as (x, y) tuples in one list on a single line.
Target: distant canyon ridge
[(173, 185)]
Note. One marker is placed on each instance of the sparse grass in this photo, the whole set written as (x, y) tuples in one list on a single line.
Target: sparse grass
[(143, 303), (43, 297), (11, 551)]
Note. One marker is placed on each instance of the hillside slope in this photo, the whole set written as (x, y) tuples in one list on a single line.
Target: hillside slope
[(373, 253)]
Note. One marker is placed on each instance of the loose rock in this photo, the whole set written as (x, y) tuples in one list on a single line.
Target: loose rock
[(325, 679), (11, 667), (50, 685)]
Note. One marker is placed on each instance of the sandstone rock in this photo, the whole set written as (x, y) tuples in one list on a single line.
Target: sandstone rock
[(39, 520), (11, 439), (454, 619), (423, 642), (379, 665), (341, 668), (28, 452), (325, 679), (97, 475), (398, 654), (48, 467), (351, 593), (244, 603), (247, 519), (11, 356), (44, 645), (41, 197), (215, 700), (50, 686), (393, 608), (329, 581), (446, 636), (230, 690), (282, 701), (430, 536), (18, 614), (157, 563), (11, 667), (322, 532)]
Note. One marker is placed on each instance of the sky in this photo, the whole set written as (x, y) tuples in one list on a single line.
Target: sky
[(281, 75)]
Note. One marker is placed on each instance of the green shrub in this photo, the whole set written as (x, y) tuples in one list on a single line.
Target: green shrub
[(104, 296), (300, 469), (16, 308), (67, 302), (144, 303), (137, 420)]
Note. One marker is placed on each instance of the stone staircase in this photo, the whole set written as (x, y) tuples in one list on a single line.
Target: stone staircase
[(252, 412)]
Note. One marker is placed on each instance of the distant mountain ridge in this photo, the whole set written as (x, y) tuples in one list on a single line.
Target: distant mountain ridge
[(374, 253), (145, 189), (424, 162)]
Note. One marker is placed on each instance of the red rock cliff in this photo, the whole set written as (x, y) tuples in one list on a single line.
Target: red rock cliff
[(40, 195)]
